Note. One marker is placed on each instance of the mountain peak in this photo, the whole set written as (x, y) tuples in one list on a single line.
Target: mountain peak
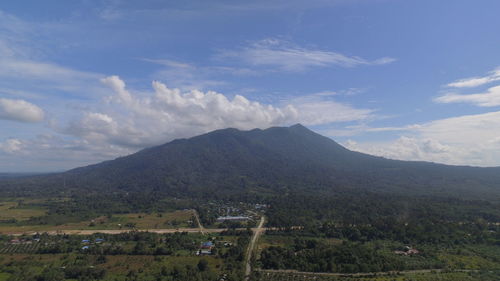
[(298, 126), (232, 161)]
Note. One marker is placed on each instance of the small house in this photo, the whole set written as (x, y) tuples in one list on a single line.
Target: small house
[(207, 245), (205, 252)]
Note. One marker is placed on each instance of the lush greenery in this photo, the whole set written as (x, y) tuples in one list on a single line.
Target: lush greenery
[(275, 161), (126, 256), (314, 192)]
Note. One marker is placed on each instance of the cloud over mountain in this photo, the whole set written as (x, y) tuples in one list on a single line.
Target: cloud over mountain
[(138, 120)]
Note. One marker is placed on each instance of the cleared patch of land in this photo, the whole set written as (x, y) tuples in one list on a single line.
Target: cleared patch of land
[(165, 220), (11, 210), (119, 222)]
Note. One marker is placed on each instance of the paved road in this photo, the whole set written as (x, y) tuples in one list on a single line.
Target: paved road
[(256, 233)]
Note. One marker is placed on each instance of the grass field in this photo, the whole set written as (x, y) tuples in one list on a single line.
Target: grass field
[(174, 219), (4, 276), (167, 220), (11, 210)]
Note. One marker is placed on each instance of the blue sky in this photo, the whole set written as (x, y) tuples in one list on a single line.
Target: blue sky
[(86, 81)]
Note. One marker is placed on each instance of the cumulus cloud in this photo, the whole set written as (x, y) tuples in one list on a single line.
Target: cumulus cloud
[(170, 113), (489, 98), (20, 110), (289, 57), (463, 140), (476, 81), (137, 121)]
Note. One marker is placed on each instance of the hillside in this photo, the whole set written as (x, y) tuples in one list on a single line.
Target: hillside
[(275, 160)]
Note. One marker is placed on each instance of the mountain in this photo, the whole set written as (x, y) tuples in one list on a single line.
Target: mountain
[(272, 161)]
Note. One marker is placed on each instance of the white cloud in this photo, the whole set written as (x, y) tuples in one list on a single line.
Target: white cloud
[(487, 98), (24, 66), (11, 146), (188, 76), (170, 113), (407, 148), (135, 122), (490, 98), (33, 74), (20, 110), (318, 109), (476, 81), (289, 57), (463, 140)]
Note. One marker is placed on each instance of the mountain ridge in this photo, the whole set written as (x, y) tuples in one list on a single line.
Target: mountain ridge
[(273, 160)]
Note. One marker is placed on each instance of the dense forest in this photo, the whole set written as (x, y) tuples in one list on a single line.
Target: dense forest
[(274, 161)]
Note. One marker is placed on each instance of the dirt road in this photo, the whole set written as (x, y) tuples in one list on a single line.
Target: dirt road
[(363, 274), (256, 233), (200, 226), (117, 231)]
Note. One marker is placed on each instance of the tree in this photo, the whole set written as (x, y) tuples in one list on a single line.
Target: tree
[(203, 265)]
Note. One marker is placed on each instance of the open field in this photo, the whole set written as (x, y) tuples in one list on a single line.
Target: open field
[(120, 222), (166, 220), (4, 276), (12, 211)]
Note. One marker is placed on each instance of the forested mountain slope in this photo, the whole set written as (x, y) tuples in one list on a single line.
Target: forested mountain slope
[(271, 161)]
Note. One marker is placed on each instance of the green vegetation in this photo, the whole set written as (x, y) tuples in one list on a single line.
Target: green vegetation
[(255, 163), (331, 210), (428, 276), (18, 211), (29, 215), (126, 256)]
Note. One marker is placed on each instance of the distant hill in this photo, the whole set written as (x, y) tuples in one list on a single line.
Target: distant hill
[(18, 175), (272, 161)]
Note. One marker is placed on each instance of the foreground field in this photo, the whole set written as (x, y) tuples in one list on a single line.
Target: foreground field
[(116, 267), (124, 222), (126, 256)]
